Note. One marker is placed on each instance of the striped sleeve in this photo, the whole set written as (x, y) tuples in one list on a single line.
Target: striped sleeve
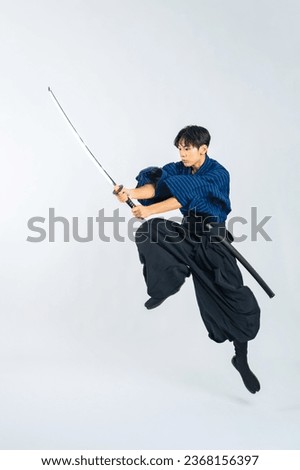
[(156, 176), (201, 192), (148, 175)]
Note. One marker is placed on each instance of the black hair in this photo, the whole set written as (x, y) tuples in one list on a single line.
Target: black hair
[(193, 135)]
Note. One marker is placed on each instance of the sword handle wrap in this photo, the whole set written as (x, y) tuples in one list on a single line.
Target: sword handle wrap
[(130, 203)]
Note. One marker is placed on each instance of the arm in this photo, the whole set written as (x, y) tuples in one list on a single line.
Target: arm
[(147, 192), (145, 211), (143, 192)]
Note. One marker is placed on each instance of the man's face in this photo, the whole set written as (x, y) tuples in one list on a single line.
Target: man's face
[(190, 155)]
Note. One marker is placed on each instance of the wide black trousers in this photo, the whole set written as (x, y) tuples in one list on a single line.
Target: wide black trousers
[(170, 252)]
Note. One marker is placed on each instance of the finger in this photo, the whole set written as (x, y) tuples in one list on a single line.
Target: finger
[(118, 190)]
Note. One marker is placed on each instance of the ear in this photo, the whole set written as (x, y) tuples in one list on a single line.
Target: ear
[(203, 149)]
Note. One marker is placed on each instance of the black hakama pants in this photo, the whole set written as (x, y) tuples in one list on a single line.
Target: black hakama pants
[(170, 252)]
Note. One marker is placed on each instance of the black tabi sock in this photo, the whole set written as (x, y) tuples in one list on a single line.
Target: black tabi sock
[(239, 361)]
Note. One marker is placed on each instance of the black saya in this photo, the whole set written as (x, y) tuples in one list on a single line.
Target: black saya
[(244, 262)]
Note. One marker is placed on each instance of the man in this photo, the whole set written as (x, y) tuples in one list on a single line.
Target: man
[(170, 252)]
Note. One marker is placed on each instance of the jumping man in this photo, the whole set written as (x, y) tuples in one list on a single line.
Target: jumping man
[(199, 187)]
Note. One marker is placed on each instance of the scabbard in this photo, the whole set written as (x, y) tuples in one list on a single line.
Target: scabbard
[(244, 262)]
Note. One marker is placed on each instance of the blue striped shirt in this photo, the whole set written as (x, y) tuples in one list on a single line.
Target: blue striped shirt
[(205, 192)]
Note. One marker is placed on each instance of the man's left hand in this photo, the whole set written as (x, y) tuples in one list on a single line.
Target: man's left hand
[(141, 212)]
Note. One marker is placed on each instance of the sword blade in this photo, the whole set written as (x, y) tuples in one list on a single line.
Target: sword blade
[(81, 141)]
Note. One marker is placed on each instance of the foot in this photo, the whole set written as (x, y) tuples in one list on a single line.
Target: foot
[(152, 302), (250, 381)]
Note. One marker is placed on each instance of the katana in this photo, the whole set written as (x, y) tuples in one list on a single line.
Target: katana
[(131, 204), (87, 150)]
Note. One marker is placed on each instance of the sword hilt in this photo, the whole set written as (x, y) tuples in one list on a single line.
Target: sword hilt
[(129, 201)]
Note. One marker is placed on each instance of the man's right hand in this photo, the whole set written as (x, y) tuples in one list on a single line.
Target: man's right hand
[(123, 195)]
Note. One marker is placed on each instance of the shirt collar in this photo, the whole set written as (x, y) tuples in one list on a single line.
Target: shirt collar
[(203, 167)]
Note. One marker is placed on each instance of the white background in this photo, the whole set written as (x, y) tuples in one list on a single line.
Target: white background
[(83, 364)]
